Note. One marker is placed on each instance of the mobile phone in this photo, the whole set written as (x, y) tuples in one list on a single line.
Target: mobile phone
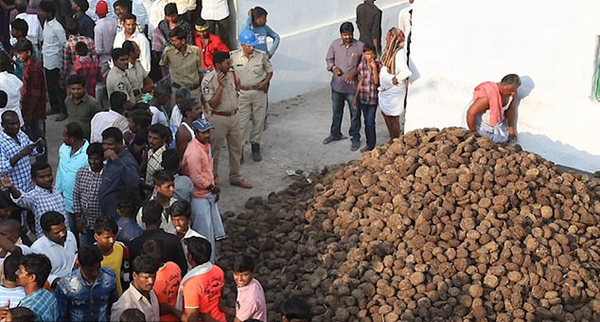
[(37, 141)]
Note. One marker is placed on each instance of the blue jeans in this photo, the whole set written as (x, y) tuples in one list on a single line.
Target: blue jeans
[(368, 112), (338, 100)]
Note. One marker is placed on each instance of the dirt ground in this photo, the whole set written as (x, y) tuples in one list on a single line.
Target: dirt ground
[(292, 141)]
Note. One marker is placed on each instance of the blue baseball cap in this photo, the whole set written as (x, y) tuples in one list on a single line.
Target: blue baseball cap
[(201, 125)]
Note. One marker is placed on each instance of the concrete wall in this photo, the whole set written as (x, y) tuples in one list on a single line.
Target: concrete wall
[(458, 44), (307, 28)]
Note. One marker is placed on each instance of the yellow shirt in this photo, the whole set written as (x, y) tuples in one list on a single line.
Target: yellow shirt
[(115, 262)]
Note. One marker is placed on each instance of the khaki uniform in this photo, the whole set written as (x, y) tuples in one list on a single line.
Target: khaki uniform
[(226, 123), (252, 103), (184, 68), (136, 74), (117, 81)]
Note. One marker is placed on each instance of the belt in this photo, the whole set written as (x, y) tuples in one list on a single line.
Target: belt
[(224, 113), (248, 88), (190, 87)]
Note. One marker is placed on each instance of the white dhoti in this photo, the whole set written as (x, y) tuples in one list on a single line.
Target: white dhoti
[(391, 97)]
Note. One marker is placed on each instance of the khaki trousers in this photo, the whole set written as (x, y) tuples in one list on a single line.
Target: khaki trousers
[(227, 127), (253, 106)]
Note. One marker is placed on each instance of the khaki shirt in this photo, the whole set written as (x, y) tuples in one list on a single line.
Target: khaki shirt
[(253, 70), (117, 81), (210, 84), (136, 74), (185, 68), (83, 112)]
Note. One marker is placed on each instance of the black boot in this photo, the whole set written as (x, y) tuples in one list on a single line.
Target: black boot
[(256, 152)]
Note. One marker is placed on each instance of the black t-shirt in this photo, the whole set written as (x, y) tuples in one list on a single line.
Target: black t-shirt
[(172, 250)]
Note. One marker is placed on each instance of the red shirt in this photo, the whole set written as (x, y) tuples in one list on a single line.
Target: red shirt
[(214, 44), (33, 94), (203, 292), (89, 68), (166, 286)]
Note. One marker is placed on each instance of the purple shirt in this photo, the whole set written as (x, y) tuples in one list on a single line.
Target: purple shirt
[(104, 37), (346, 59)]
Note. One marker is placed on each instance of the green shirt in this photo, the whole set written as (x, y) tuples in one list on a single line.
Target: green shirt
[(83, 112)]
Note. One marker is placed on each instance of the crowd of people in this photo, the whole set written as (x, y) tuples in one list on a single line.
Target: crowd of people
[(126, 227)]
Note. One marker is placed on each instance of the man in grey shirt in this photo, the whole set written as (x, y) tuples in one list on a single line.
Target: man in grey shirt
[(343, 58)]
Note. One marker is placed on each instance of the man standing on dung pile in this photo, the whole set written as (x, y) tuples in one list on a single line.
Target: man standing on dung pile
[(494, 108)]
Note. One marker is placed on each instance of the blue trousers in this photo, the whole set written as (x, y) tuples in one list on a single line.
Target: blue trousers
[(368, 112), (338, 100)]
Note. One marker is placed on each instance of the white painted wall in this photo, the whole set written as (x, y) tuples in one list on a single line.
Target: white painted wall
[(551, 44), (307, 28)]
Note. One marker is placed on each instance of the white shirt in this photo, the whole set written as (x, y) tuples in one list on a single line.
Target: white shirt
[(54, 39), (140, 9), (12, 85), (214, 9), (158, 116), (176, 119), (165, 223), (34, 31), (404, 21), (62, 257), (100, 122), (15, 295), (184, 6), (156, 14), (142, 42)]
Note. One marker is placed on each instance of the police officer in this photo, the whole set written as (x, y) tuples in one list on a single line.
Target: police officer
[(219, 88), (116, 80), (184, 62), (255, 72)]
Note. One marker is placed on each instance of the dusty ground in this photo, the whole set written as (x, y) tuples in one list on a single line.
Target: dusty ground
[(297, 127)]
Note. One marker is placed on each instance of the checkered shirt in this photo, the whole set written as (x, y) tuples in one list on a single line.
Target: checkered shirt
[(154, 164), (367, 92), (89, 68), (43, 304), (85, 195), (33, 94), (20, 174), (40, 201), (68, 52)]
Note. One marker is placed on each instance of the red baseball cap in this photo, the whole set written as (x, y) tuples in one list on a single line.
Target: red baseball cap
[(101, 8)]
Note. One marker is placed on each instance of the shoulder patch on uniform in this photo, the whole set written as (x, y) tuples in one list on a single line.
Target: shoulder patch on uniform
[(205, 90), (121, 86)]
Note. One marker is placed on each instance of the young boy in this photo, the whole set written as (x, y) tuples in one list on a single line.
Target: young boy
[(257, 22), (250, 302), (158, 137), (116, 254), (33, 93), (42, 198), (181, 213), (165, 189), (128, 227), (366, 97), (86, 24), (18, 32), (87, 66)]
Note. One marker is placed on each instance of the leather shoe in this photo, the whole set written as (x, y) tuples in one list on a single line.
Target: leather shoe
[(355, 146), (243, 184)]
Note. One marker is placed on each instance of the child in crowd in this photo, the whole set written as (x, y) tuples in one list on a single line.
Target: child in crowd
[(20, 314), (250, 302), (128, 227), (181, 213), (42, 198), (87, 67), (10, 291), (18, 31), (132, 315), (159, 136), (184, 187), (116, 254), (366, 97), (295, 309), (165, 189), (166, 284), (257, 22)]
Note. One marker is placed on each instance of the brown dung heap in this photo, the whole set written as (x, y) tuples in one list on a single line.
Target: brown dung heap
[(438, 226)]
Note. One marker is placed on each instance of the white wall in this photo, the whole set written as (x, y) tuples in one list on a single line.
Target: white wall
[(551, 44), (307, 28)]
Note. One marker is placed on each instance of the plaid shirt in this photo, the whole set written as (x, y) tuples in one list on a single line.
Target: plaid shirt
[(43, 304), (40, 201), (154, 163), (68, 52), (89, 68), (33, 94), (20, 174), (367, 92), (85, 195)]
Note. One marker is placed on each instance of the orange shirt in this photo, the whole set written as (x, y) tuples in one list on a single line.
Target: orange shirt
[(166, 286), (203, 292), (197, 163)]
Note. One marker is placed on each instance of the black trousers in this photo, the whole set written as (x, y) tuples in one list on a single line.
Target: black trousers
[(56, 94), (221, 29)]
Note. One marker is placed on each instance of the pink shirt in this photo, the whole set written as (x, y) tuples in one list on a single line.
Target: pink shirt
[(197, 163), (250, 302)]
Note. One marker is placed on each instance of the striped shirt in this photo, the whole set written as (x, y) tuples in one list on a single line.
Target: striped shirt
[(14, 295)]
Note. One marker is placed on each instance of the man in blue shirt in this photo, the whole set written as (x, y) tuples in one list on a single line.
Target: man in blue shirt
[(89, 293), (120, 173), (15, 152), (32, 275), (72, 156), (257, 22)]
